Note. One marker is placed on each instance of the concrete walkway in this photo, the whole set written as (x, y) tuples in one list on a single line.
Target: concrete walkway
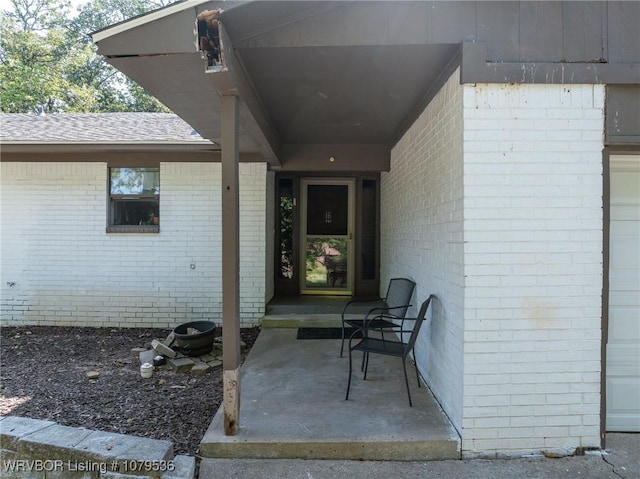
[(620, 461)]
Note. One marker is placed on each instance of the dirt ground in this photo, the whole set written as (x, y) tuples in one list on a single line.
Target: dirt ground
[(43, 376)]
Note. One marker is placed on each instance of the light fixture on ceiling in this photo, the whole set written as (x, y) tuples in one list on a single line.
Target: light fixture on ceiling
[(332, 159)]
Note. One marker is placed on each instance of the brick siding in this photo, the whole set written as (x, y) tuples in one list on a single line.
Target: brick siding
[(533, 267), (59, 266), (421, 237), (510, 239)]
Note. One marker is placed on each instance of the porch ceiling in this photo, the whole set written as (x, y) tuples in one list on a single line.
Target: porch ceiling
[(344, 90), (330, 94)]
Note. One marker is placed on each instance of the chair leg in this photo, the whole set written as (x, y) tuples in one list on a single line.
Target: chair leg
[(406, 381), (365, 365), (349, 382), (417, 375)]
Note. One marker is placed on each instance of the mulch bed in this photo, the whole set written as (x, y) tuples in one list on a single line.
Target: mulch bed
[(42, 376)]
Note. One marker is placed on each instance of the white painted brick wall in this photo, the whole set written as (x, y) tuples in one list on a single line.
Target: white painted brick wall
[(514, 353), (68, 271), (533, 267), (421, 237)]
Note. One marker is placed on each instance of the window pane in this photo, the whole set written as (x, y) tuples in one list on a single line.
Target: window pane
[(134, 212), (135, 181)]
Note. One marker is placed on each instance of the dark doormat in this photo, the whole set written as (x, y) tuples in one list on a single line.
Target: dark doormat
[(323, 333)]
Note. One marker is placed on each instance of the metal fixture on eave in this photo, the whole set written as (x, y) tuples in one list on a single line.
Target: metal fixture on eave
[(209, 37)]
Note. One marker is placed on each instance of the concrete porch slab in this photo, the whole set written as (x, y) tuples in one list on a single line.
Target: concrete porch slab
[(292, 406)]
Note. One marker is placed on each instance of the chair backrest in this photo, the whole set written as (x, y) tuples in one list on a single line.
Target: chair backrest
[(422, 314), (399, 294)]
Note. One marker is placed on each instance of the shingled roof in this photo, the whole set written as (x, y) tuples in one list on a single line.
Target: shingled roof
[(87, 128)]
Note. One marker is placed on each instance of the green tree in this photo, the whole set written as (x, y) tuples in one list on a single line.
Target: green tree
[(33, 71), (117, 92), (47, 59), (38, 15)]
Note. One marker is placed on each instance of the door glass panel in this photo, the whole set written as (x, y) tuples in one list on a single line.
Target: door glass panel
[(327, 209), (327, 237), (326, 263)]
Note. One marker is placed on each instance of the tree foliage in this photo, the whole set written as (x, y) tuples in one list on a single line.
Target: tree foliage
[(47, 58)]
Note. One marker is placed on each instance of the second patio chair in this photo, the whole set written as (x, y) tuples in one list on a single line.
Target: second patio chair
[(394, 306), (400, 347)]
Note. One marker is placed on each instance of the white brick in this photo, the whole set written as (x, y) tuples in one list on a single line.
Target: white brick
[(421, 234), (54, 243), (553, 182), (519, 285)]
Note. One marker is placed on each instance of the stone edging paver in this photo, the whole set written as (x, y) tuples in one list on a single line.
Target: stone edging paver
[(37, 449)]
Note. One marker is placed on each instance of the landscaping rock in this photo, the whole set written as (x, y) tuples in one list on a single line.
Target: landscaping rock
[(92, 374), (215, 363), (200, 369), (147, 356), (184, 468), (181, 365), (163, 349), (169, 339), (207, 357)]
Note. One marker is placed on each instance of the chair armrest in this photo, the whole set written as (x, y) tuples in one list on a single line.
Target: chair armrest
[(369, 323), (357, 301), (383, 310)]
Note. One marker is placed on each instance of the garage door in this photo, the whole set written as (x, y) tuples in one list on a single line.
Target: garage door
[(623, 347)]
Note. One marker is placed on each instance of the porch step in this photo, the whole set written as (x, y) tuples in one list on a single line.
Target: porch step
[(317, 305), (400, 449), (301, 321)]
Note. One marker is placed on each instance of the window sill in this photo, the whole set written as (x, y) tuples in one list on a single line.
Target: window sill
[(134, 229)]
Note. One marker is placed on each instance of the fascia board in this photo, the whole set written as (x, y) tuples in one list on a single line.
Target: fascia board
[(144, 19)]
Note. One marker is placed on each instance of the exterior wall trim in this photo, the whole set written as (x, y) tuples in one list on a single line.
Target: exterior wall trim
[(476, 68), (91, 153)]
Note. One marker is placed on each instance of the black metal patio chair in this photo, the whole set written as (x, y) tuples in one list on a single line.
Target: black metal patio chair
[(394, 306), (397, 347)]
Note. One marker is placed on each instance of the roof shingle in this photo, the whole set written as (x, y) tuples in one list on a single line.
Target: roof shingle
[(96, 128)]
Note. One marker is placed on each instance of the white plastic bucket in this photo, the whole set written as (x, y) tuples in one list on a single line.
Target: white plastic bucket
[(146, 370)]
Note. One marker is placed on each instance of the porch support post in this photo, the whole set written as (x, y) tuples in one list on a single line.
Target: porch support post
[(230, 265)]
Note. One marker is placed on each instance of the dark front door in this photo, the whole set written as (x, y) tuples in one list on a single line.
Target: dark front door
[(327, 235)]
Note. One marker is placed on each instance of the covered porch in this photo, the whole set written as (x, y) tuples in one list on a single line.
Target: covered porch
[(293, 406), (447, 105)]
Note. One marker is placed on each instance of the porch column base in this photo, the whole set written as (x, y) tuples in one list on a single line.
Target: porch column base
[(231, 401)]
